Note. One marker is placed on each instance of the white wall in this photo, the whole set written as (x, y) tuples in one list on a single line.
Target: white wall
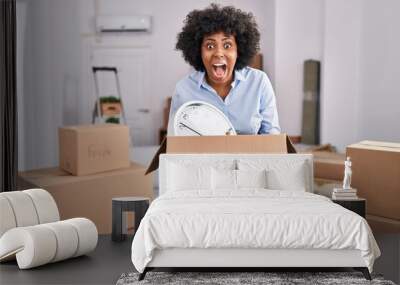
[(168, 64), (340, 72), (298, 37), (57, 83), (357, 42), (360, 90), (50, 78), (267, 22), (379, 107)]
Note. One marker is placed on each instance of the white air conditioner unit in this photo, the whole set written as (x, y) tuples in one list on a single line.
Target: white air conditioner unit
[(137, 23)]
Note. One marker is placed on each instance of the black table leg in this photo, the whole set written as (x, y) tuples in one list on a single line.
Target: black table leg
[(140, 211), (117, 222)]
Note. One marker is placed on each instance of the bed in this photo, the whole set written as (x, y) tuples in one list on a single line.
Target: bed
[(247, 210)]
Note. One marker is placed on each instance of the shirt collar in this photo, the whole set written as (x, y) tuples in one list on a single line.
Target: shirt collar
[(200, 79)]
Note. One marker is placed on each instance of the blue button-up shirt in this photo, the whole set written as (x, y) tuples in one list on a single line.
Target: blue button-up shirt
[(250, 104)]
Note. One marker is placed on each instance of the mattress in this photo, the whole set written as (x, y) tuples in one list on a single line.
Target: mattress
[(250, 219)]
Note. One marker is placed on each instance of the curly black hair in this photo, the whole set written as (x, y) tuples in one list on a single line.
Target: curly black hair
[(231, 21)]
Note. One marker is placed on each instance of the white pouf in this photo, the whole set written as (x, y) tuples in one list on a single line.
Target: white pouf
[(67, 240), (87, 233), (33, 246), (31, 232), (46, 207), (7, 216)]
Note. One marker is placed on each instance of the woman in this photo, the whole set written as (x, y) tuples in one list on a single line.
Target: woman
[(219, 43)]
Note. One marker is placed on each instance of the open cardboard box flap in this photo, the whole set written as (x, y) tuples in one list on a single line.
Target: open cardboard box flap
[(223, 144)]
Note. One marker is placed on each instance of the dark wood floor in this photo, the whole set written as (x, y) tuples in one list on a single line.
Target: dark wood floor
[(103, 266), (111, 259)]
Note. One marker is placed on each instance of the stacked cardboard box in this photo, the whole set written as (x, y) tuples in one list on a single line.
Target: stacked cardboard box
[(325, 187), (94, 168), (93, 148), (329, 165), (376, 175), (90, 196)]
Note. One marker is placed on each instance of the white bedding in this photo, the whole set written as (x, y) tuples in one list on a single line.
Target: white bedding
[(251, 218)]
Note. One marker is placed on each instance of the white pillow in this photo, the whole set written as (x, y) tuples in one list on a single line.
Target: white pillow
[(293, 179), (282, 174), (251, 178), (183, 177), (223, 179)]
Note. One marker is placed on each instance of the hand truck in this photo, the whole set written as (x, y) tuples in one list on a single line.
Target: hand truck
[(97, 112)]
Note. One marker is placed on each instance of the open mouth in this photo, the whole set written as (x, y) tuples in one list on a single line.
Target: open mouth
[(219, 70)]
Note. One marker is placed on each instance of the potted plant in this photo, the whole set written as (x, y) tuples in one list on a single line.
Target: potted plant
[(112, 120)]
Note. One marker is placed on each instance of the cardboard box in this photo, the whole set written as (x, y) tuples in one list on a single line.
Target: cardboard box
[(329, 165), (223, 144), (376, 175), (166, 112), (325, 187), (90, 196), (165, 118), (110, 108), (383, 225), (93, 148), (257, 61), (310, 148)]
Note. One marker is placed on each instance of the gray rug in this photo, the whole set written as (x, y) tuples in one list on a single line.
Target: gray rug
[(228, 278)]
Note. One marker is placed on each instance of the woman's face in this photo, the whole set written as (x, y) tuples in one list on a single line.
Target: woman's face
[(219, 54)]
